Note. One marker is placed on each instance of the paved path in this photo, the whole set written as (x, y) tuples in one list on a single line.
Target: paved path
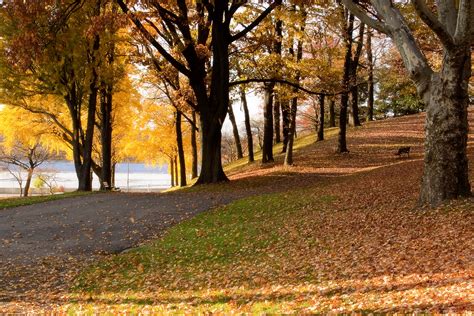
[(98, 223), (110, 223)]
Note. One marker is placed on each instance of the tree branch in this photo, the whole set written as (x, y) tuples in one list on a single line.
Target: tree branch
[(256, 22), (289, 83), (433, 23), (364, 17), (179, 66), (465, 23)]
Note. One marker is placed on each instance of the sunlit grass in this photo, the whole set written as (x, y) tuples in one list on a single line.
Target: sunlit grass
[(300, 142)]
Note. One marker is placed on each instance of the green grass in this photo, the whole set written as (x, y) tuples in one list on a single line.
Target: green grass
[(189, 266), (21, 201), (211, 242)]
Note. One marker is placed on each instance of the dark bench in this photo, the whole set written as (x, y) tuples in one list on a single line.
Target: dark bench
[(403, 150)]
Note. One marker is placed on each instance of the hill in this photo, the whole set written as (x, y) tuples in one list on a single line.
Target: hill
[(334, 233)]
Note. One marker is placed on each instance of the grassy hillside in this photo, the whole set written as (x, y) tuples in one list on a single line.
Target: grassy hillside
[(334, 233)]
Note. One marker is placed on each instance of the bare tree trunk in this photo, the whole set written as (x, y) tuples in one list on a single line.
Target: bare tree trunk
[(106, 135), (276, 119), (354, 66), (291, 136), (354, 108), (342, 144), (294, 102), (321, 118), (370, 62), (285, 111), (194, 168), (114, 167), (171, 166), (235, 131), (267, 150), (179, 144), (332, 113), (248, 128), (26, 190), (176, 174)]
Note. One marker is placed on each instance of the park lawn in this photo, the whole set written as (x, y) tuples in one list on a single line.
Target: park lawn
[(302, 142), (30, 200), (317, 249)]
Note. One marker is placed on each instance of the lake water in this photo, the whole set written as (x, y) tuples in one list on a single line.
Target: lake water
[(128, 176)]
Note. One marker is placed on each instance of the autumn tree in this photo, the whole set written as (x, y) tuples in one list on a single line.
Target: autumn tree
[(57, 54), (23, 144), (186, 35), (444, 91)]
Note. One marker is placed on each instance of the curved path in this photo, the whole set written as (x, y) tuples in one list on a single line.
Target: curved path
[(94, 224), (107, 223)]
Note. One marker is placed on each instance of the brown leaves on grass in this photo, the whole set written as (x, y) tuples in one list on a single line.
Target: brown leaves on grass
[(357, 243)]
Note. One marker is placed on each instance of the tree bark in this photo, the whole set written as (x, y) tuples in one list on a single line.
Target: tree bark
[(291, 135), (370, 65), (176, 174), (294, 102), (354, 119), (276, 119), (26, 190), (354, 108), (214, 111), (267, 150), (194, 168), (285, 113), (179, 144), (332, 113), (321, 118), (171, 166), (114, 166), (446, 173), (106, 135), (235, 131), (342, 144), (248, 128)]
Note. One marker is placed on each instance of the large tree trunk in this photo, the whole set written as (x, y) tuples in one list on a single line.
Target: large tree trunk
[(321, 118), (446, 164), (267, 150), (29, 176), (370, 65), (179, 144), (235, 131), (194, 168), (342, 144), (248, 128), (211, 166), (85, 174), (214, 112), (85, 178), (445, 93)]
